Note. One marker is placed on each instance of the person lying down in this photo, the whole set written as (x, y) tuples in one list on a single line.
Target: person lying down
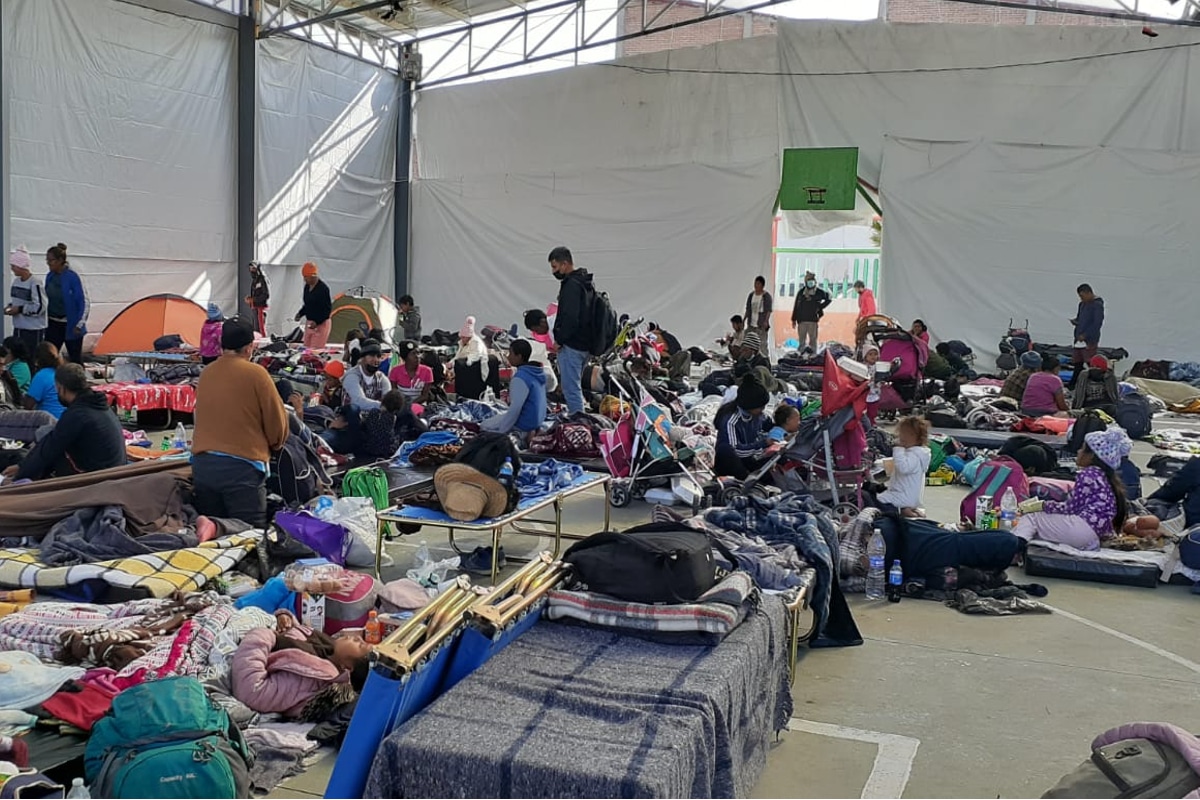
[(291, 669)]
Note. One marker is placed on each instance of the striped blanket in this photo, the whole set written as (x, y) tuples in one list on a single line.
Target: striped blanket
[(717, 611), (149, 575)]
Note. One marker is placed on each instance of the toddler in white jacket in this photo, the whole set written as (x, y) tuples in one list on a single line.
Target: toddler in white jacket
[(911, 459)]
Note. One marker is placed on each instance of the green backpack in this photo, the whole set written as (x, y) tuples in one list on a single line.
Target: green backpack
[(369, 482), (167, 739)]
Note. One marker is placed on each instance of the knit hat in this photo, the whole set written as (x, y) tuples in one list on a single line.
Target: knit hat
[(468, 329), (1098, 362), (309, 269), (214, 312), (370, 347), (19, 258), (1110, 446), (236, 334), (752, 341), (335, 369), (1030, 359), (751, 394)]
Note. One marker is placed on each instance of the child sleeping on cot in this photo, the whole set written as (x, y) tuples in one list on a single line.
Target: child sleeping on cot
[(281, 671), (910, 463)]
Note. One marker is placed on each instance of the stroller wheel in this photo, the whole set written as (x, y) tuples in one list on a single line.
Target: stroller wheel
[(844, 513), (731, 493), (621, 494)]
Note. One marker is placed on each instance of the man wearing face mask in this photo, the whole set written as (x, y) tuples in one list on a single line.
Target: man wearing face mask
[(572, 325), (808, 309), (366, 384)]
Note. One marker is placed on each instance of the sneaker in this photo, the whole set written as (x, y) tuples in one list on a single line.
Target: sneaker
[(479, 561)]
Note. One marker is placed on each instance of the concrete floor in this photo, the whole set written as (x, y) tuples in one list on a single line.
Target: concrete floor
[(939, 704)]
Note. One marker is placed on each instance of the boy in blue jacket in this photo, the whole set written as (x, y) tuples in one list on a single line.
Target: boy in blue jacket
[(526, 394), (1089, 319)]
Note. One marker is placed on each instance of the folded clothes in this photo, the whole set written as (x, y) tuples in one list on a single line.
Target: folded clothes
[(546, 477), (429, 439), (80, 704)]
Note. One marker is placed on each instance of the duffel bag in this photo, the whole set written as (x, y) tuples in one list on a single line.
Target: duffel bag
[(654, 563)]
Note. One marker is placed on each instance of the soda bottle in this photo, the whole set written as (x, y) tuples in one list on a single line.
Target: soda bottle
[(876, 551), (373, 630), (895, 582)]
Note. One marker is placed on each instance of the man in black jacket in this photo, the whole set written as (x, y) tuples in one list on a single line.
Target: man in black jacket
[(572, 325), (86, 438), (317, 308), (810, 305)]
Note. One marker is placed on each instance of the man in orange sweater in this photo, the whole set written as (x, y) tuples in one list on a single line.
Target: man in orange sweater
[(240, 420)]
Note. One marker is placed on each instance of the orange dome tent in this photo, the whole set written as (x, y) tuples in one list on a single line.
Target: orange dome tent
[(142, 321)]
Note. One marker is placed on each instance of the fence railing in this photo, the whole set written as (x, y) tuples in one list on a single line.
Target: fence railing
[(836, 270)]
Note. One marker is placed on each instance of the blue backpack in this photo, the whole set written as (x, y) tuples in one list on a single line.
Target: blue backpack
[(167, 739)]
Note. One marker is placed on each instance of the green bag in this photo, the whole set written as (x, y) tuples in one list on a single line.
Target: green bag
[(167, 739), (370, 482), (1130, 768)]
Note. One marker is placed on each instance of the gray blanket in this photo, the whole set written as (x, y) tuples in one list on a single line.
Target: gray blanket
[(99, 534), (581, 712)]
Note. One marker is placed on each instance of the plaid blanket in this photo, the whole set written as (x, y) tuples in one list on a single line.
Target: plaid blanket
[(153, 574), (718, 611), (576, 711), (852, 550)]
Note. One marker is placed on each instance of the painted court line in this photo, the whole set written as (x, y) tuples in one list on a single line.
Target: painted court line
[(1158, 651), (893, 758)]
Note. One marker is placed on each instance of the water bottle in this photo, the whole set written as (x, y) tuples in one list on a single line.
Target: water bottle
[(422, 558), (78, 789), (181, 442), (1008, 510), (895, 582), (876, 550)]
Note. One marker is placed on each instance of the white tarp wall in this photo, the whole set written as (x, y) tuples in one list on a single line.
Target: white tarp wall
[(661, 184), (121, 145), (995, 230), (1081, 87), (325, 170)]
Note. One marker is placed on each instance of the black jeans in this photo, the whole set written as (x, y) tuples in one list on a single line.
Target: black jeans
[(31, 338), (1183, 487), (229, 488), (56, 334)]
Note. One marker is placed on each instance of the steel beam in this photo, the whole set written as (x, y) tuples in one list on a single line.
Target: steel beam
[(1053, 8), (247, 211), (319, 18), (401, 222)]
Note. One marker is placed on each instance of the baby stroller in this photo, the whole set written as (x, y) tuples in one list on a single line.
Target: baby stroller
[(908, 355), (1014, 343), (639, 452), (828, 457)]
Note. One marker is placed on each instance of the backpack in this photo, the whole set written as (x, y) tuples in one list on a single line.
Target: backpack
[(605, 326), (993, 479), (297, 474), (1138, 760), (167, 739), (371, 482), (1088, 422), (1134, 415), (654, 563)]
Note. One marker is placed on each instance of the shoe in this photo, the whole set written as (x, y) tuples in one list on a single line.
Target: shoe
[(479, 561)]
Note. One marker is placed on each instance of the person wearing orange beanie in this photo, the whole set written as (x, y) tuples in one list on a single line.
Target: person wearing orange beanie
[(317, 308)]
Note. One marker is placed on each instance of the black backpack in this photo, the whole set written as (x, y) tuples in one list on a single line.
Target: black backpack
[(605, 326), (487, 453), (297, 474), (1088, 422), (655, 563), (1134, 415)]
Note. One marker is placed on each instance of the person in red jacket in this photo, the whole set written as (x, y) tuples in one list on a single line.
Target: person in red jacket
[(866, 300)]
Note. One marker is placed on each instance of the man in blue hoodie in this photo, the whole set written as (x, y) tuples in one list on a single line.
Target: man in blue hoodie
[(1088, 322), (526, 394)]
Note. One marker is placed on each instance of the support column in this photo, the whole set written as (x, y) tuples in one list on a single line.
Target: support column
[(247, 211), (4, 208), (401, 226)]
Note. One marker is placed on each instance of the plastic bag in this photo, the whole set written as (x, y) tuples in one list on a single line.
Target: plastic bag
[(357, 516), (428, 572)]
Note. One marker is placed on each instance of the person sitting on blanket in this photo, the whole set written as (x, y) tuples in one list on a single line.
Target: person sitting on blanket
[(1183, 487), (366, 383), (742, 443), (332, 392), (1096, 387), (1095, 509), (40, 396), (1015, 383), (1044, 394), (910, 463), (282, 671), (749, 356), (733, 339), (526, 394), (87, 438), (538, 325)]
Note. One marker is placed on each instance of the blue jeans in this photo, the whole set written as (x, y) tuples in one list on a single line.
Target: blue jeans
[(570, 370)]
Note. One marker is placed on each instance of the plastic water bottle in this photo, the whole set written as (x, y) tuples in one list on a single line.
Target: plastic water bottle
[(78, 789), (876, 551), (895, 582), (181, 442), (422, 558), (1008, 510)]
